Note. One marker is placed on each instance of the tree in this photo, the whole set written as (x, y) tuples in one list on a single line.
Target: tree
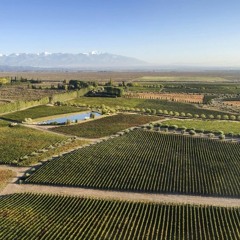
[(225, 117), (203, 116), (218, 117), (221, 137), (148, 110), (211, 135), (182, 114), (165, 112), (154, 111), (192, 132), (232, 117), (175, 127), (210, 116)]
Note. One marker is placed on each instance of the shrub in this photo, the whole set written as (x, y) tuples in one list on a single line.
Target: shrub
[(68, 122), (192, 132), (211, 135), (221, 137), (232, 117)]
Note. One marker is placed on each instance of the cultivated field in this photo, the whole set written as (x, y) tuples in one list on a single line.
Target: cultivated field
[(181, 79), (22, 92), (140, 183), (178, 97), (232, 103), (18, 141), (207, 125), (144, 103), (126, 76), (33, 216), (40, 112), (150, 162), (105, 126)]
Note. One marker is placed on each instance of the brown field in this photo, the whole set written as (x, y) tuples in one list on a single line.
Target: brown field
[(178, 97), (5, 175), (232, 103), (22, 92)]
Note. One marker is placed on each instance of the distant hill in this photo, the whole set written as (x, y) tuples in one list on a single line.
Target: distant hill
[(68, 60)]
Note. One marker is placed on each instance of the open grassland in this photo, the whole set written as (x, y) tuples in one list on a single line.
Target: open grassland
[(40, 112), (207, 125), (5, 175), (34, 216), (150, 162), (106, 126), (18, 141), (144, 103), (178, 97)]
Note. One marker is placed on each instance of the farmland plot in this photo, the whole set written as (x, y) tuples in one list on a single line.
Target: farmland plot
[(34, 216), (150, 162)]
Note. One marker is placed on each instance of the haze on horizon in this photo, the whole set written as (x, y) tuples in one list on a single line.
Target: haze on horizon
[(186, 32)]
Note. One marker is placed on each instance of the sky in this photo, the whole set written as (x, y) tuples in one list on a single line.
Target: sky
[(162, 32)]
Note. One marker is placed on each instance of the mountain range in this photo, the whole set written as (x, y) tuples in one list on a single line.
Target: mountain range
[(68, 60)]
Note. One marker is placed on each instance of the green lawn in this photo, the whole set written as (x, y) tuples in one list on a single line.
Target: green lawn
[(39, 112), (144, 103), (106, 126), (207, 125), (18, 141)]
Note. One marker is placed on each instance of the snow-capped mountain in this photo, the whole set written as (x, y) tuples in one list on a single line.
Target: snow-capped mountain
[(93, 59)]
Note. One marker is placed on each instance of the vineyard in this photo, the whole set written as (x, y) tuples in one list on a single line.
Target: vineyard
[(106, 126), (34, 216), (150, 162), (143, 103), (207, 125), (40, 112), (18, 141), (177, 97)]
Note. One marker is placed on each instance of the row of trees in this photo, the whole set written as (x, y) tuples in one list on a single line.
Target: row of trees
[(163, 112), (192, 131)]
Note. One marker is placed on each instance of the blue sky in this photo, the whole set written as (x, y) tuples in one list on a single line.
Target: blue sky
[(184, 32)]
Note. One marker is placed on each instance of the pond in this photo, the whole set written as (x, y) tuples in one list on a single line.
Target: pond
[(71, 118)]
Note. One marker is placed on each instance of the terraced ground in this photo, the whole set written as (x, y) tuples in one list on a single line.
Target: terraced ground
[(149, 162), (106, 126), (35, 216)]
